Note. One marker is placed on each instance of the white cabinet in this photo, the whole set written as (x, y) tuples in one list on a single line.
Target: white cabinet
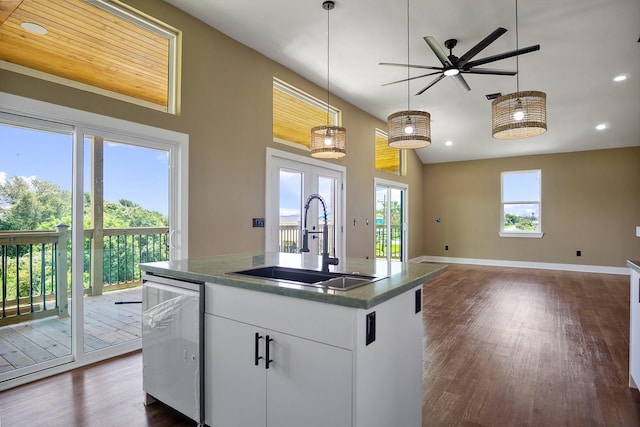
[(634, 330), (306, 384), (321, 370)]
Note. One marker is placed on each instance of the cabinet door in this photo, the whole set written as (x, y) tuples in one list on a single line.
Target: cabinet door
[(234, 385), (308, 383)]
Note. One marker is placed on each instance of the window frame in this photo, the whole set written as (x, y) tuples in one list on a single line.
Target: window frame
[(537, 233), (127, 13)]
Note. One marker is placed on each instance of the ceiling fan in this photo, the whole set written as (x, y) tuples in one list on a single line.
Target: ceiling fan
[(453, 66)]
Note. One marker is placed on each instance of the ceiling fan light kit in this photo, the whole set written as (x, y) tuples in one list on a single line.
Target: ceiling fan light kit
[(328, 142)]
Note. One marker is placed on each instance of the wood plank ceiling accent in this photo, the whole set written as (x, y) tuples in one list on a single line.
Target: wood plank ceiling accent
[(87, 44), (293, 118)]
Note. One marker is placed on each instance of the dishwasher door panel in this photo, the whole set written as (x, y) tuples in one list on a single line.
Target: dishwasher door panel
[(171, 346)]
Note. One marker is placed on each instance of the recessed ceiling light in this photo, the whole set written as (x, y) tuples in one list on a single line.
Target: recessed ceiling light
[(448, 143), (34, 28), (601, 126), (620, 78)]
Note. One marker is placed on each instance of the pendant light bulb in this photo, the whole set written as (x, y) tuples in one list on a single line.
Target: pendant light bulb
[(327, 139), (518, 114), (408, 128)]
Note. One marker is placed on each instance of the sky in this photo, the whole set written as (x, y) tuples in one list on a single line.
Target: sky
[(521, 187), (291, 199), (138, 174)]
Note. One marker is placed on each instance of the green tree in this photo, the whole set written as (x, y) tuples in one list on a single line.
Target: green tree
[(33, 204)]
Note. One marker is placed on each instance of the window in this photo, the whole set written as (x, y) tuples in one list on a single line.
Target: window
[(387, 159), (94, 45), (295, 113), (521, 204)]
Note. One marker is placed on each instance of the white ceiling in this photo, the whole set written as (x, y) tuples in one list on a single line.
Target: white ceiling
[(584, 45)]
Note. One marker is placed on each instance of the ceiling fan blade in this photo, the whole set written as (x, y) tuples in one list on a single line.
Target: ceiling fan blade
[(480, 46), (462, 82), (435, 47), (498, 57), (490, 71), (411, 78), (426, 67), (430, 84)]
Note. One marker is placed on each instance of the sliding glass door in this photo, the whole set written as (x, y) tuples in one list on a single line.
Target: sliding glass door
[(36, 223), (126, 218), (84, 199)]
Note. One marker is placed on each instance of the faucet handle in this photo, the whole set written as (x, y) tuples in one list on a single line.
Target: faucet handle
[(305, 241)]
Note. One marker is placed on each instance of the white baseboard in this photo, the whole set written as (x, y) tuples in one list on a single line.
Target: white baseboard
[(526, 264)]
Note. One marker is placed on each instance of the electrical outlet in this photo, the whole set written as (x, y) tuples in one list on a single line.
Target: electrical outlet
[(370, 333), (578, 253), (446, 247), (258, 222)]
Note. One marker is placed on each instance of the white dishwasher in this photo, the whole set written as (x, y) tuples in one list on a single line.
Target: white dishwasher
[(173, 344)]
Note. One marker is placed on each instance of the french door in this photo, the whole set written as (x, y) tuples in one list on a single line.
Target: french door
[(391, 222), (291, 181)]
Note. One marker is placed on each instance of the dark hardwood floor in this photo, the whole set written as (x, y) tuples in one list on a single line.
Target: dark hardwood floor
[(523, 347), (505, 347)]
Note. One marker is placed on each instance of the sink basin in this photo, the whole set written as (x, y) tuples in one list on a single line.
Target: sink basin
[(330, 280)]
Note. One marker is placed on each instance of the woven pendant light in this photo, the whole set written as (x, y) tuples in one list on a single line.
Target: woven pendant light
[(410, 128), (520, 114), (328, 142)]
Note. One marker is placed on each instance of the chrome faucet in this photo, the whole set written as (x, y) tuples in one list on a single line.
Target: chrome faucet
[(326, 259)]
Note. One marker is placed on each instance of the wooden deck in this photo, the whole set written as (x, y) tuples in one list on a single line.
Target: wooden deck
[(106, 324)]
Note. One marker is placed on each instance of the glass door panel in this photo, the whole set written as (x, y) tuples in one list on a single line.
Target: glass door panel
[(126, 221), (35, 249), (327, 190), (390, 232), (290, 211)]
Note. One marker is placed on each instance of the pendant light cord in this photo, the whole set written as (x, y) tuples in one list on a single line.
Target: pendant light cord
[(328, 11), (517, 56), (408, 72)]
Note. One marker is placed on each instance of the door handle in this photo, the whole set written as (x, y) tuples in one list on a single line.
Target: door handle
[(267, 357), (257, 356)]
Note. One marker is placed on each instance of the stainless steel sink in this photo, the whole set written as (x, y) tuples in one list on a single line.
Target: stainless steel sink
[(329, 280)]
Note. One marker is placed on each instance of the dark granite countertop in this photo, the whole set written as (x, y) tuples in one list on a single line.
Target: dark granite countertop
[(392, 278)]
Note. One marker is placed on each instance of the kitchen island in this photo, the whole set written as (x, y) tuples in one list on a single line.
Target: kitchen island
[(279, 353)]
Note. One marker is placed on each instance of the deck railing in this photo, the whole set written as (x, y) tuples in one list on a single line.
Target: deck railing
[(288, 239), (382, 238), (35, 273)]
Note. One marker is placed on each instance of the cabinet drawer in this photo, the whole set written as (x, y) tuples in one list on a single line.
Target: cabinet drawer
[(326, 323)]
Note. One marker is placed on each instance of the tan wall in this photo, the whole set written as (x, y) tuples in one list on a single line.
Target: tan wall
[(590, 202), (227, 111)]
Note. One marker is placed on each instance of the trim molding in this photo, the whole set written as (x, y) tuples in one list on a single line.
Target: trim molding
[(526, 264)]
